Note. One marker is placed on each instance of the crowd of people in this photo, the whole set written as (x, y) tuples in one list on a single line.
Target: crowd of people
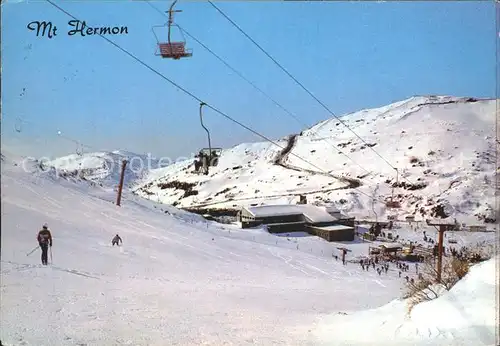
[(382, 264)]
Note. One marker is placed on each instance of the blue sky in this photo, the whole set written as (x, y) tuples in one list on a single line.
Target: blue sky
[(350, 55)]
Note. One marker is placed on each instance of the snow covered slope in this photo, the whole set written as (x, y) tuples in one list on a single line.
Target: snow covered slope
[(466, 315), (443, 148), (103, 168), (245, 173), (176, 280)]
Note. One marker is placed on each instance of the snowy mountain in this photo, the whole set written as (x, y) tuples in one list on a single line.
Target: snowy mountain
[(102, 168), (443, 148), (178, 279)]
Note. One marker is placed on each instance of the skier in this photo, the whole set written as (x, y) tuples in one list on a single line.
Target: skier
[(44, 241), (116, 239)]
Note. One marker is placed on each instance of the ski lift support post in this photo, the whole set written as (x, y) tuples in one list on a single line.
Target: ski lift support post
[(394, 204), (443, 227), (120, 184), (208, 135), (344, 251)]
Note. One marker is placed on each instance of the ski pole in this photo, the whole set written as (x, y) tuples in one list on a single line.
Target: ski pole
[(29, 253), (51, 262)]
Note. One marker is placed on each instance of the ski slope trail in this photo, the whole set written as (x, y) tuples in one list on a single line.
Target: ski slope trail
[(176, 280), (282, 158)]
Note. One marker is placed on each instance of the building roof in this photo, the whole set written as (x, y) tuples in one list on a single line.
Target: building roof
[(446, 221), (335, 228), (273, 210), (363, 228), (364, 225), (331, 208), (316, 214), (345, 216), (311, 212), (392, 246)]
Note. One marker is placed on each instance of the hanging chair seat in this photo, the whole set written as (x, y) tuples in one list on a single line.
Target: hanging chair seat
[(175, 50), (168, 47)]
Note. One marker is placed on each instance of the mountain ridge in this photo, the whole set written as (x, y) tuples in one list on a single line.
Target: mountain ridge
[(459, 129), (102, 168), (442, 146)]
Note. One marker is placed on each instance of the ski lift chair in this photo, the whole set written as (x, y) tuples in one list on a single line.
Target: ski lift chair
[(209, 156), (392, 203), (173, 50), (213, 156)]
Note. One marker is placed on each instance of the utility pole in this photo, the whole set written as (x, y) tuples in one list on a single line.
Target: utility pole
[(373, 203), (120, 186), (344, 251), (443, 227)]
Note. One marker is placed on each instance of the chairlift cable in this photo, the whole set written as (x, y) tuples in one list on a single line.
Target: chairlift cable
[(300, 84), (79, 145), (206, 104)]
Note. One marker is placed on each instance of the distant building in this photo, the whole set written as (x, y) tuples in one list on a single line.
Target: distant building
[(392, 248), (333, 232), (326, 222), (363, 229), (477, 228)]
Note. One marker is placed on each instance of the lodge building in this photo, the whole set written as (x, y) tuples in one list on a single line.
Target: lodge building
[(326, 222)]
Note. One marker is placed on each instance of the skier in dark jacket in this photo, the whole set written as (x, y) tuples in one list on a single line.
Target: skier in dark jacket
[(44, 241), (116, 239)]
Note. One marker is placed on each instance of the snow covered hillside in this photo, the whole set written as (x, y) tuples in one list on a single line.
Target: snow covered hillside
[(102, 168), (178, 279), (465, 315), (175, 280), (443, 148)]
